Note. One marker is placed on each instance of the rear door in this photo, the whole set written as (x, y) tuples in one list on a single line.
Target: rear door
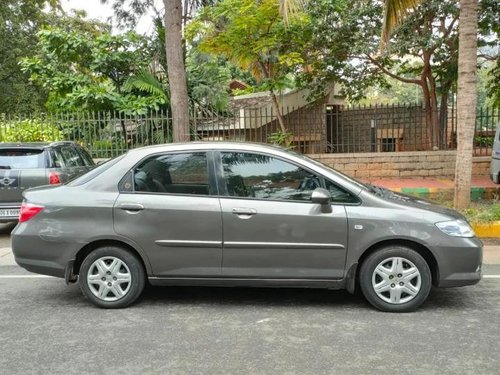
[(271, 227), (168, 205)]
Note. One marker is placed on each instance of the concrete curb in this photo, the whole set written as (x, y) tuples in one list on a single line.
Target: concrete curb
[(487, 230)]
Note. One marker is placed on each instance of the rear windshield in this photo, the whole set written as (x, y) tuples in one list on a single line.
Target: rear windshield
[(21, 158)]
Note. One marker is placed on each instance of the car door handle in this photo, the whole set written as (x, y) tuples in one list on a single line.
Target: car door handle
[(131, 206), (244, 211)]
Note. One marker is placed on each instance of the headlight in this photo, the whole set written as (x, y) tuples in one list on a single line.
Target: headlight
[(456, 228)]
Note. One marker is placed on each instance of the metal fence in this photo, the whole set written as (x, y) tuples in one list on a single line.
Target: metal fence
[(313, 129)]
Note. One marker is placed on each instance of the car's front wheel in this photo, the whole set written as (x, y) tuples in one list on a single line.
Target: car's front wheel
[(112, 277), (395, 279)]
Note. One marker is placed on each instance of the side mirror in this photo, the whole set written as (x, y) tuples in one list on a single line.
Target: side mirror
[(321, 196)]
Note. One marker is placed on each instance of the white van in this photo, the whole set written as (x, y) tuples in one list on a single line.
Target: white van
[(495, 158)]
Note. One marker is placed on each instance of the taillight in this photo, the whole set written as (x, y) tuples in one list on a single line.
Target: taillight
[(54, 178), (28, 211)]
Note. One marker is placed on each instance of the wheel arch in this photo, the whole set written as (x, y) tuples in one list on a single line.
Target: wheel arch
[(88, 248), (418, 247)]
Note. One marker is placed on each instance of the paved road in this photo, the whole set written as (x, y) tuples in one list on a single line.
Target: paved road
[(47, 327)]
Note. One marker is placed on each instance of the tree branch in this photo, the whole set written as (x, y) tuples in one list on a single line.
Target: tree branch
[(391, 74)]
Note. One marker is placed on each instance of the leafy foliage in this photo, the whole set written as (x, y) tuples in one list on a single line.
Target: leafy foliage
[(253, 36), (281, 138), (89, 70), (29, 130), (20, 20)]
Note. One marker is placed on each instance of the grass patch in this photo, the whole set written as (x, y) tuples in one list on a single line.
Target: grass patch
[(479, 212)]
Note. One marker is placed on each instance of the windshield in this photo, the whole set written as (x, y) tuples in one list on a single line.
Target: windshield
[(19, 158), (101, 168)]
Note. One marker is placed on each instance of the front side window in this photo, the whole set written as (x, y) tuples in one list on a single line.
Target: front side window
[(265, 177), (182, 173)]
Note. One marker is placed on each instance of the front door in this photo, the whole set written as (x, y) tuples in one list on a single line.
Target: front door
[(173, 214), (271, 227)]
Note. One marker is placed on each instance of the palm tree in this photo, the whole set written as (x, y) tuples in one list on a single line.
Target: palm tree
[(466, 100), (395, 12)]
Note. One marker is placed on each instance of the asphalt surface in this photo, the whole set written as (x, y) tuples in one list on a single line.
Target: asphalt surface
[(47, 327)]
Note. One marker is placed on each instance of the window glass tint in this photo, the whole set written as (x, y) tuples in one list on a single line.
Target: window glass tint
[(265, 177), (87, 159), (19, 158), (57, 159), (338, 194), (71, 157), (184, 173)]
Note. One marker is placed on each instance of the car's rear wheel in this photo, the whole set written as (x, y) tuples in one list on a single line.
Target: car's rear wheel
[(112, 277), (395, 279)]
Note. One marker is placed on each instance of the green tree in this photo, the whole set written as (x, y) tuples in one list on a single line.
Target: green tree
[(423, 51), (253, 36), (20, 20), (89, 69)]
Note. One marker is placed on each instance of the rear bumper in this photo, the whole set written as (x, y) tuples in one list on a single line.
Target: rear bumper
[(495, 170), (42, 267), (37, 254)]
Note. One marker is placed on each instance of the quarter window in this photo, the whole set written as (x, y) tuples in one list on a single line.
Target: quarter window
[(339, 195), (265, 177), (183, 173)]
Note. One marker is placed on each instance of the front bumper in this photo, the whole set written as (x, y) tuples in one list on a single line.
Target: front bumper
[(459, 262)]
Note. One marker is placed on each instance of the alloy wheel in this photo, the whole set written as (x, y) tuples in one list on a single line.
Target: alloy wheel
[(109, 278), (396, 280)]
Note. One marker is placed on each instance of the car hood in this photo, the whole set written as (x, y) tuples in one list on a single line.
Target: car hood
[(415, 202)]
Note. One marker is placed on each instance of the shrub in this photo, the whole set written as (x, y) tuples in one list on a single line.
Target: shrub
[(29, 130)]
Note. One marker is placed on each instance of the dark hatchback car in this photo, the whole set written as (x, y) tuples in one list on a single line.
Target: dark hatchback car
[(26, 165), (231, 214)]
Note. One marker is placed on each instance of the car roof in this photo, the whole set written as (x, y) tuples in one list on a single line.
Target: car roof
[(209, 145), (34, 145)]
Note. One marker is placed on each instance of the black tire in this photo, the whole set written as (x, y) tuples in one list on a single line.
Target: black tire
[(408, 256), (131, 267)]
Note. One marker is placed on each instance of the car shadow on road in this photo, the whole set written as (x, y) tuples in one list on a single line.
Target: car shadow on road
[(237, 296), (6, 228)]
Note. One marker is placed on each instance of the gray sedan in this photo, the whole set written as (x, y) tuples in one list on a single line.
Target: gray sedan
[(239, 214)]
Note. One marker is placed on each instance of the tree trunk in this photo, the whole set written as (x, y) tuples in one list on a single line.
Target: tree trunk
[(279, 116), (179, 101), (466, 100)]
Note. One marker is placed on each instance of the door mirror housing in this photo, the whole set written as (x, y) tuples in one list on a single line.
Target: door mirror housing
[(321, 196)]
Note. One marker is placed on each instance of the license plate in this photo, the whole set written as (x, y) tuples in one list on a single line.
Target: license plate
[(9, 212)]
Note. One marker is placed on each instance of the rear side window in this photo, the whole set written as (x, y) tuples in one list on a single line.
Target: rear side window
[(19, 158), (87, 159), (71, 157), (180, 173)]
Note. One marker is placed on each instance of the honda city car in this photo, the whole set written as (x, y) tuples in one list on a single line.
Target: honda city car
[(240, 214)]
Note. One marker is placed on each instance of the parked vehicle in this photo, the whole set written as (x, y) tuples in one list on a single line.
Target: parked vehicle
[(238, 214), (25, 165), (495, 158)]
